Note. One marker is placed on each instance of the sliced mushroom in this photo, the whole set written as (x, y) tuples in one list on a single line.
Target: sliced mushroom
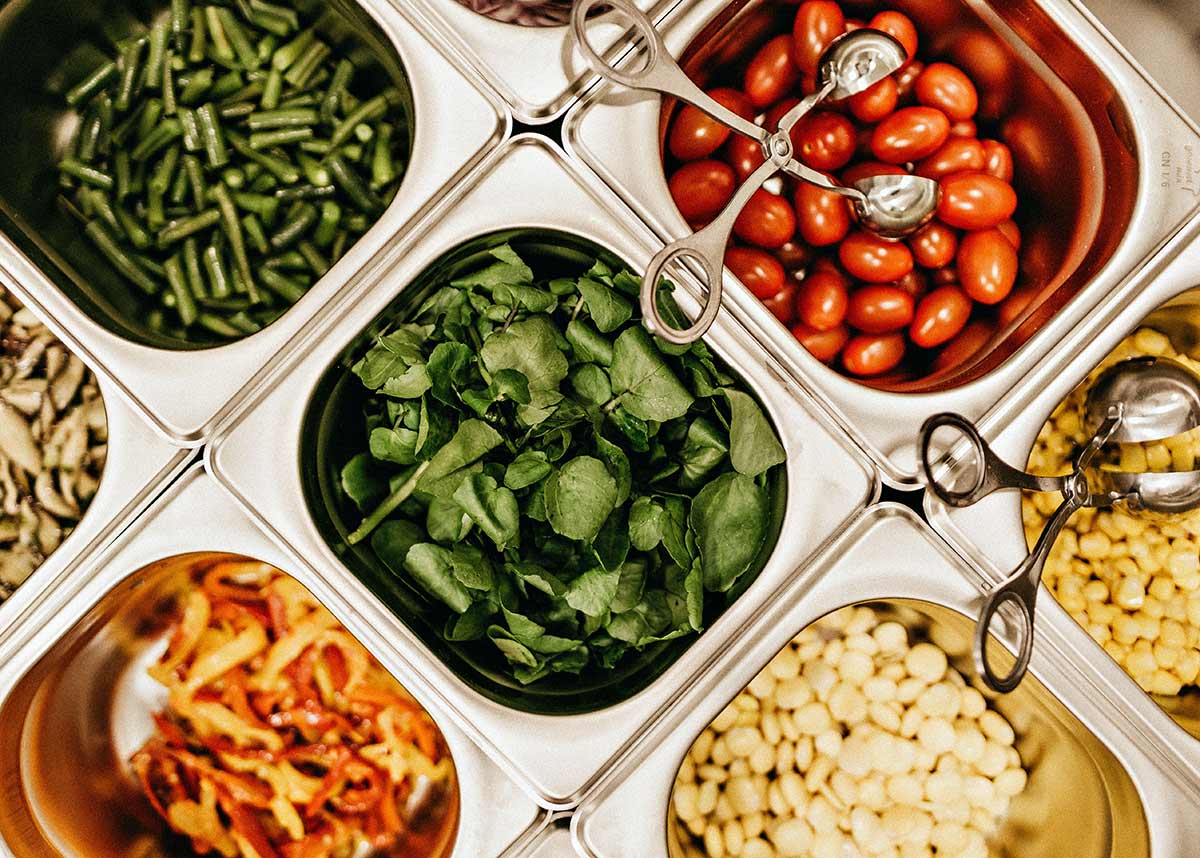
[(16, 440), (64, 386)]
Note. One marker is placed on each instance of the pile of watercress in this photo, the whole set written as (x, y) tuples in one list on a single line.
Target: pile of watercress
[(569, 487)]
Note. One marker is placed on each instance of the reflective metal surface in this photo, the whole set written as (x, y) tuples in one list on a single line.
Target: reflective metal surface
[(74, 698), (1091, 136), (1157, 399), (1092, 792), (256, 459), (455, 123)]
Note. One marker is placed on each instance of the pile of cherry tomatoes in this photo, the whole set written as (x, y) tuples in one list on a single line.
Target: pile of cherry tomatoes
[(877, 308)]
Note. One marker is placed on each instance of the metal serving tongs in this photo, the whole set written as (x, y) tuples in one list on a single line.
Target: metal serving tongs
[(1141, 400), (891, 206)]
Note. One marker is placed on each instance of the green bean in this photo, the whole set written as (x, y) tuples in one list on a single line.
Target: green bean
[(155, 320), (155, 214), (363, 133), (265, 119), (210, 134), (246, 54), (244, 323), (191, 267), (265, 49), (272, 90), (331, 215), (196, 50), (179, 188), (275, 25), (352, 185), (180, 15), (125, 127), (218, 274), (226, 85), (316, 147), (101, 207), (236, 111), (149, 266), (89, 175), (285, 287), (318, 263), (217, 325), (133, 230), (353, 151), (197, 87), (231, 305), (90, 85), (130, 59), (164, 173), (195, 177), (121, 172), (299, 73), (383, 166), (253, 228), (192, 141), (264, 184), (287, 55), (314, 171), (339, 244), (292, 260), (233, 232), (120, 260), (278, 137), (181, 229), (89, 136), (161, 137), (137, 182), (295, 226), (168, 88), (105, 111), (286, 13), (306, 192), (233, 178), (159, 34), (148, 121), (279, 168), (185, 302), (338, 84), (356, 222), (221, 49), (257, 204)]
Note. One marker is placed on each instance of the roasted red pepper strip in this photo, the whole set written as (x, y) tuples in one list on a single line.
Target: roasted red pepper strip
[(245, 823)]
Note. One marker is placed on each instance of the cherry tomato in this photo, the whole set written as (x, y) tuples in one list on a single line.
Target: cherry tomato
[(853, 24), (821, 300), (906, 79), (783, 303), (915, 283), (777, 110), (910, 135), (822, 217), (766, 221), (696, 135), (900, 26), (1015, 304), (987, 266), (1012, 232), (957, 155), (875, 103), (868, 257), (879, 309), (948, 89), (998, 160), (942, 276), (965, 128), (976, 201), (865, 169), (934, 246), (873, 354), (771, 73), (965, 346), (818, 22), (744, 155), (758, 270), (794, 255), (940, 316), (823, 345), (824, 140), (701, 189)]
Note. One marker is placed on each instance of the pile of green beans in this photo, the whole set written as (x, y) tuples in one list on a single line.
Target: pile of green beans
[(222, 164)]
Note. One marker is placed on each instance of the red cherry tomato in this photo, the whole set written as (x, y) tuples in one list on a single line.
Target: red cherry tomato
[(701, 189), (758, 270), (823, 345), (868, 257), (943, 276), (873, 354), (940, 316), (794, 255), (906, 79), (777, 110), (1012, 232), (766, 221), (934, 246), (879, 309), (976, 201), (987, 266), (744, 155), (915, 283), (900, 26), (822, 217), (771, 73), (965, 128), (821, 300), (998, 160), (948, 89), (853, 24), (876, 103), (957, 155), (910, 135), (1015, 304), (824, 140), (865, 169), (783, 303), (818, 22), (965, 346), (695, 134), (827, 263)]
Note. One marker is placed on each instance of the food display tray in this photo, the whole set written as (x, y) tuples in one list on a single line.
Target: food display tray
[(617, 132), (184, 394)]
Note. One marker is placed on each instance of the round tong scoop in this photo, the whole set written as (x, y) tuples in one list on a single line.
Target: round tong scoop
[(890, 206), (1141, 400)]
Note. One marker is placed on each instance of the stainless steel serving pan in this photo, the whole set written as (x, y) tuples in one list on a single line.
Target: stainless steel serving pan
[(1104, 167), (531, 184), (185, 393), (537, 70), (140, 464), (1095, 790), (552, 840), (991, 533), (81, 618)]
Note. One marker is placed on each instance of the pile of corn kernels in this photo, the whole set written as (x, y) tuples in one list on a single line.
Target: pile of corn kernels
[(1133, 583), (852, 741)]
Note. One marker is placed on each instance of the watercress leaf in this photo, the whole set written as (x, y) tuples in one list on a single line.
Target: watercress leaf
[(593, 591), (675, 531), (478, 401), (600, 271), (515, 651), (409, 384), (362, 482), (617, 462), (511, 384), (432, 567), (390, 356), (507, 270), (625, 282), (553, 645), (562, 286), (535, 506), (729, 517), (646, 384), (531, 298), (526, 469), (629, 627), (611, 545), (630, 587), (608, 309), (394, 445), (634, 428), (469, 625), (492, 507), (538, 578), (646, 523), (591, 384), (530, 347), (446, 522), (392, 539), (694, 585), (580, 497), (471, 440), (521, 626), (754, 447), (674, 317), (448, 370), (703, 449), (587, 345), (472, 568)]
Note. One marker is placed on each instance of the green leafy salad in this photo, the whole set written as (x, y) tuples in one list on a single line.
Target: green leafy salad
[(567, 486)]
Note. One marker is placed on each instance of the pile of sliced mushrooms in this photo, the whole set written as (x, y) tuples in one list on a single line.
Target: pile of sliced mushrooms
[(53, 442)]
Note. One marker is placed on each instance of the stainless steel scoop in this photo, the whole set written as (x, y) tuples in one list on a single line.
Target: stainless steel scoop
[(1136, 401), (891, 206)]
